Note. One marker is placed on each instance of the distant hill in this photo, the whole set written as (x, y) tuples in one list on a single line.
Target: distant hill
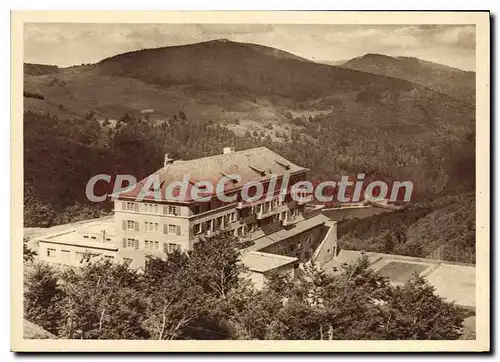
[(39, 69), (333, 62), (223, 81), (451, 81)]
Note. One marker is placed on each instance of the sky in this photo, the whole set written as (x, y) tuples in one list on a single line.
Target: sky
[(73, 44)]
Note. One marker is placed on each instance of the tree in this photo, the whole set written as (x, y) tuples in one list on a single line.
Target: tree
[(36, 213), (414, 311), (28, 254), (102, 300), (217, 261), (215, 266), (78, 212), (388, 242), (42, 297), (173, 299), (358, 304)]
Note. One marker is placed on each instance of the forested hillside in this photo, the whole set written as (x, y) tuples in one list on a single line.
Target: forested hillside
[(442, 229)]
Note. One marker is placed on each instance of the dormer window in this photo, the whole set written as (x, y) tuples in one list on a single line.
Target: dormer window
[(286, 165), (260, 171), (233, 180)]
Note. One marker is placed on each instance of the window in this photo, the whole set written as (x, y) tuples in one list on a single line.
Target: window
[(93, 237), (196, 209), (108, 239), (149, 244), (109, 257), (130, 243), (85, 236), (130, 225), (170, 247), (241, 231), (51, 252), (157, 245), (150, 226), (172, 229), (172, 210), (65, 254), (156, 208), (197, 229), (130, 206)]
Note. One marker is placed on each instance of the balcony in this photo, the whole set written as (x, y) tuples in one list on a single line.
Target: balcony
[(241, 205), (302, 201), (270, 211), (312, 212), (289, 220), (249, 219)]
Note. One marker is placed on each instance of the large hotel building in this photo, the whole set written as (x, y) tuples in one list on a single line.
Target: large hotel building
[(281, 233)]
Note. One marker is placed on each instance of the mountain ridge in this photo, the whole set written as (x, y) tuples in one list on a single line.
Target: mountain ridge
[(457, 83), (243, 71)]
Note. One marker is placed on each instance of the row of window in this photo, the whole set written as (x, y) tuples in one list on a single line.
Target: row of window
[(66, 254), (171, 210), (221, 222), (151, 245), (216, 203), (214, 224), (208, 206), (94, 237), (150, 226), (266, 206)]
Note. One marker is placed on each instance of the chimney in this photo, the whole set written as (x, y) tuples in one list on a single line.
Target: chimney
[(167, 160), (226, 150)]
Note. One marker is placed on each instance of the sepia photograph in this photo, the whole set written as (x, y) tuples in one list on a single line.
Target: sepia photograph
[(250, 181)]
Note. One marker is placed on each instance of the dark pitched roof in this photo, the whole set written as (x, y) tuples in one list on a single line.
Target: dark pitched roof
[(256, 164)]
